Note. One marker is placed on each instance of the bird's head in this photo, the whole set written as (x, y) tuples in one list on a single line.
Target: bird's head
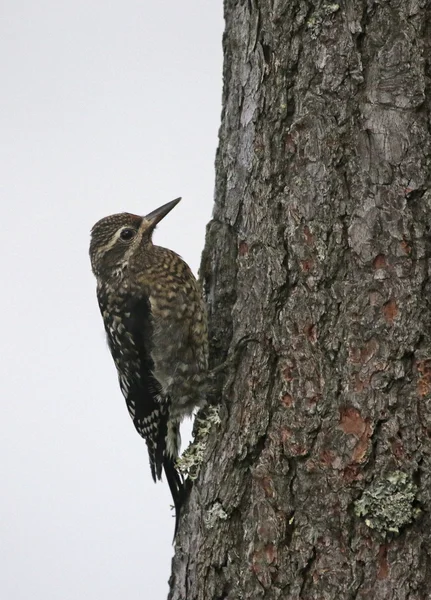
[(114, 239)]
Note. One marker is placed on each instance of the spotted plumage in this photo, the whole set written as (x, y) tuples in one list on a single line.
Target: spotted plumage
[(155, 322)]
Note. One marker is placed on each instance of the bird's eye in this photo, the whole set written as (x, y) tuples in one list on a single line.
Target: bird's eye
[(127, 234)]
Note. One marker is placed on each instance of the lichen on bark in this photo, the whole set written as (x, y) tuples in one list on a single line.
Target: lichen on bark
[(388, 504)]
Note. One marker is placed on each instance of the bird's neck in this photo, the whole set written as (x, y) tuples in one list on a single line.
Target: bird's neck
[(116, 279)]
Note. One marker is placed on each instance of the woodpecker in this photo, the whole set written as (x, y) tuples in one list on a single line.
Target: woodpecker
[(156, 326)]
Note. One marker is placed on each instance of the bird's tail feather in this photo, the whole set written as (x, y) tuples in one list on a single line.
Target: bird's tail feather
[(176, 485)]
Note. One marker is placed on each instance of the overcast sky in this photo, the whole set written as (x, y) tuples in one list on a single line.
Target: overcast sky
[(105, 107)]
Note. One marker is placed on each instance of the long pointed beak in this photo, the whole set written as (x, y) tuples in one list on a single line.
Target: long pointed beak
[(160, 213)]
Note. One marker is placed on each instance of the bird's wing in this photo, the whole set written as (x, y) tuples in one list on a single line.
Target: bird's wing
[(150, 407), (129, 332)]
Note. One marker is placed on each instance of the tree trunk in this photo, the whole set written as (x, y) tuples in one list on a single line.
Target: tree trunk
[(316, 484)]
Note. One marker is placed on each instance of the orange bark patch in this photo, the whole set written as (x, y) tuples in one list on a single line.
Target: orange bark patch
[(390, 311), (424, 382), (290, 144), (355, 355), (406, 247), (306, 265), (243, 248), (382, 562), (287, 400), (270, 553), (326, 458), (260, 563), (361, 448), (287, 373), (397, 449), (266, 483), (351, 421), (313, 400), (369, 350), (286, 434), (352, 473), (310, 332), (380, 262), (298, 450)]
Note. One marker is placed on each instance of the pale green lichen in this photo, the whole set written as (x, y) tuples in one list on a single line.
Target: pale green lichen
[(387, 505), (314, 23), (215, 513), (190, 461), (329, 9)]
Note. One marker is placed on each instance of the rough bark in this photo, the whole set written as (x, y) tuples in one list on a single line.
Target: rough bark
[(317, 482)]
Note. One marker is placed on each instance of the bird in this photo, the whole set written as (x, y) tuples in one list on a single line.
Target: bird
[(156, 325)]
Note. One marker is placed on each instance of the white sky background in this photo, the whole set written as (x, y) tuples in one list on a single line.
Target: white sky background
[(104, 107)]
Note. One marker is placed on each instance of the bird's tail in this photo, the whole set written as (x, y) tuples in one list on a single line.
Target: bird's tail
[(177, 487), (163, 452)]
